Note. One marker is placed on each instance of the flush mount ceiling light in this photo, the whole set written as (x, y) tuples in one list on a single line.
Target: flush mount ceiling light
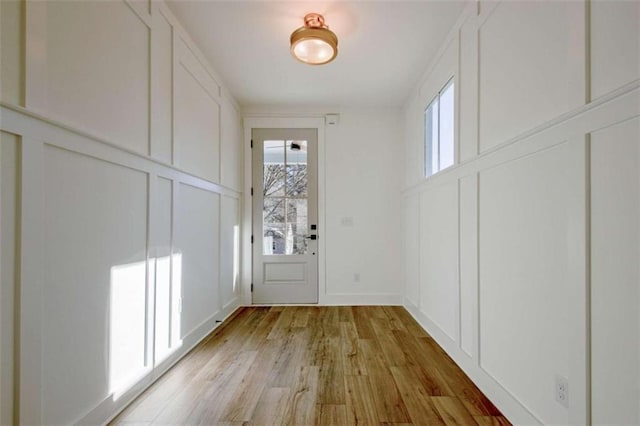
[(315, 43)]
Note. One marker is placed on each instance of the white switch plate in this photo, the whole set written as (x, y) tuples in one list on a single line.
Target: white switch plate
[(346, 221)]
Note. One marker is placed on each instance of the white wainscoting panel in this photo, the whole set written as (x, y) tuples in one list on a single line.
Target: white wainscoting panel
[(11, 42), (468, 104), (414, 153), (523, 278), (230, 255), (615, 276), (112, 119), (197, 119), (160, 263), (196, 241), (163, 218), (469, 264), (162, 89), (87, 90), (411, 252), (535, 81), (615, 45), (231, 146), (439, 257), (525, 68), (95, 243), (9, 178)]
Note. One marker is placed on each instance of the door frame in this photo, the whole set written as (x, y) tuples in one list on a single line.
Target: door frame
[(249, 123)]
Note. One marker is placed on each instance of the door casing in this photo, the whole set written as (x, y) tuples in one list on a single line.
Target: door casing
[(315, 122), (285, 278)]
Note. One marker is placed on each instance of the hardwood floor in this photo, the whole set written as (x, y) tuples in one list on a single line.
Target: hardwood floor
[(315, 365)]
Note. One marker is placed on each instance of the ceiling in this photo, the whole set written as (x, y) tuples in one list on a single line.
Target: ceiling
[(384, 48)]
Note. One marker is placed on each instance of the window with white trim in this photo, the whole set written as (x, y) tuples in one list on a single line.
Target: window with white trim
[(438, 131)]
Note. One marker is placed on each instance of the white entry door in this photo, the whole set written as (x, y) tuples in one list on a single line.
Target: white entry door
[(285, 215)]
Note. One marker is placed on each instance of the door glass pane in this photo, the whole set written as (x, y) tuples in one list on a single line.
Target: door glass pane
[(296, 180), (285, 194), (274, 169), (298, 228), (273, 216)]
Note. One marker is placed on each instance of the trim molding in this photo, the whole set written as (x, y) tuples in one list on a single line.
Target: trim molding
[(621, 105), (109, 409), (361, 299), (513, 409), (249, 123), (29, 124)]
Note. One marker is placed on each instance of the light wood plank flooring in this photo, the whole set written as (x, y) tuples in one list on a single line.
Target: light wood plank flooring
[(315, 365)]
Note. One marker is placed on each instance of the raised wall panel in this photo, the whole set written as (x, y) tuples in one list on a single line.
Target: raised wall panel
[(95, 244), (526, 68), (615, 277), (161, 236), (197, 121), (11, 55), (278, 273), (412, 249), (231, 147), (230, 249), (439, 257), (414, 151), (468, 263), (197, 245), (523, 278), (615, 45), (468, 91), (162, 87), (105, 89), (9, 191)]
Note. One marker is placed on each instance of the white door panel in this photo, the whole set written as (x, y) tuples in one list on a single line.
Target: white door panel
[(285, 216)]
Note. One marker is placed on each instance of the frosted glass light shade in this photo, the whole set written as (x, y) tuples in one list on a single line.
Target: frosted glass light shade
[(314, 43)]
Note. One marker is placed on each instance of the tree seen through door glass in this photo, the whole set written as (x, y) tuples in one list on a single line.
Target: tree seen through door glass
[(285, 197)]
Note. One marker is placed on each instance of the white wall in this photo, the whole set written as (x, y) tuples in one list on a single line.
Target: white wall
[(125, 150), (360, 177), (363, 181), (540, 214)]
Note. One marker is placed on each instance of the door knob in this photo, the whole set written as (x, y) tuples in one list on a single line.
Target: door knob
[(311, 237)]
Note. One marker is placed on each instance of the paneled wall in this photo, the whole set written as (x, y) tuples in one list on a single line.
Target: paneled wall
[(121, 182), (522, 259)]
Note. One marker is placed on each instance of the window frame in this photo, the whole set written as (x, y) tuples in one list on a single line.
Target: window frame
[(427, 148)]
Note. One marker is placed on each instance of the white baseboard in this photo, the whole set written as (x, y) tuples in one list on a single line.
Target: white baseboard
[(507, 403), (108, 409), (360, 299)]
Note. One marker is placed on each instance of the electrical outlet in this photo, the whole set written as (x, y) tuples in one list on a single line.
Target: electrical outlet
[(562, 391)]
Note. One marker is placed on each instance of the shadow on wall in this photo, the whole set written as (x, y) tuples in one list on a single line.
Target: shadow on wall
[(144, 326)]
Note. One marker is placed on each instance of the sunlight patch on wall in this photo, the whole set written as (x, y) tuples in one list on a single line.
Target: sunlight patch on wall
[(127, 326), (236, 256), (176, 300)]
